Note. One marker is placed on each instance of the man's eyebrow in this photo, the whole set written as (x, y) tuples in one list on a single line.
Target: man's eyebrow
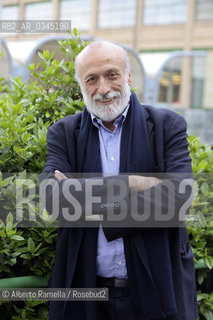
[(113, 70)]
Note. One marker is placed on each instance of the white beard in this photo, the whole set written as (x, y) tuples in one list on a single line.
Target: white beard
[(109, 112)]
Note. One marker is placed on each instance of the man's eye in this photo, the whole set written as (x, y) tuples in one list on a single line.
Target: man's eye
[(92, 79), (112, 74)]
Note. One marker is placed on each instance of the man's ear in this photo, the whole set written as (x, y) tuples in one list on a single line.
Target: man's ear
[(130, 79)]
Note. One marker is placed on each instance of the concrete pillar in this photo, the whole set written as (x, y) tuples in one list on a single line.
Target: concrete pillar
[(94, 18), (185, 93), (21, 9), (56, 9), (138, 22)]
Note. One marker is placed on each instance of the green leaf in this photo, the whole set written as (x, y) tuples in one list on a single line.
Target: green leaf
[(209, 262), (204, 187), (208, 315), (23, 314), (32, 66), (75, 32), (15, 82), (18, 150), (200, 278), (31, 245), (41, 55), (52, 55), (9, 219), (4, 183), (46, 54), (50, 71), (26, 256), (9, 226), (17, 237), (26, 137), (2, 234)]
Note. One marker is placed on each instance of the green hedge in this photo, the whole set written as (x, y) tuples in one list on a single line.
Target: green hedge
[(26, 111), (200, 224)]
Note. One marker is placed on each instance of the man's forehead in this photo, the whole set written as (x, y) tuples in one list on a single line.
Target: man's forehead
[(99, 55), (102, 61)]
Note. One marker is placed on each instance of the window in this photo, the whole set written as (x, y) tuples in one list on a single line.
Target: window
[(164, 12), (9, 13), (38, 11), (204, 10), (116, 13), (78, 11), (170, 82)]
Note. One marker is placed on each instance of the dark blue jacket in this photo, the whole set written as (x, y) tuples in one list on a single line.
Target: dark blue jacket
[(75, 263)]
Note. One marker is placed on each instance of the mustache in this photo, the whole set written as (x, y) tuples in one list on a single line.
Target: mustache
[(109, 95)]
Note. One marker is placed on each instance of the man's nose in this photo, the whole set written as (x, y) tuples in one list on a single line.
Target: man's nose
[(103, 86)]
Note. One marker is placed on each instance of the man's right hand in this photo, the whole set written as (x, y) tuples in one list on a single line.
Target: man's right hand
[(59, 175), (141, 183)]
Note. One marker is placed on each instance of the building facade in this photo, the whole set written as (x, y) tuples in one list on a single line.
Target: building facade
[(151, 27)]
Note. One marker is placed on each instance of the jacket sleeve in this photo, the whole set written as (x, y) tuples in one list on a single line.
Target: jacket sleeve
[(71, 201), (57, 152), (166, 204)]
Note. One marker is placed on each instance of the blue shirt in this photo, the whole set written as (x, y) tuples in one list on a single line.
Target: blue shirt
[(110, 255)]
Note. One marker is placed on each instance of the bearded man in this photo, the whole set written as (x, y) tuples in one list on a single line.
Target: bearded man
[(149, 271)]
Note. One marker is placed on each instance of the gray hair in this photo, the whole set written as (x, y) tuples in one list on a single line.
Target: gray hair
[(125, 56)]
